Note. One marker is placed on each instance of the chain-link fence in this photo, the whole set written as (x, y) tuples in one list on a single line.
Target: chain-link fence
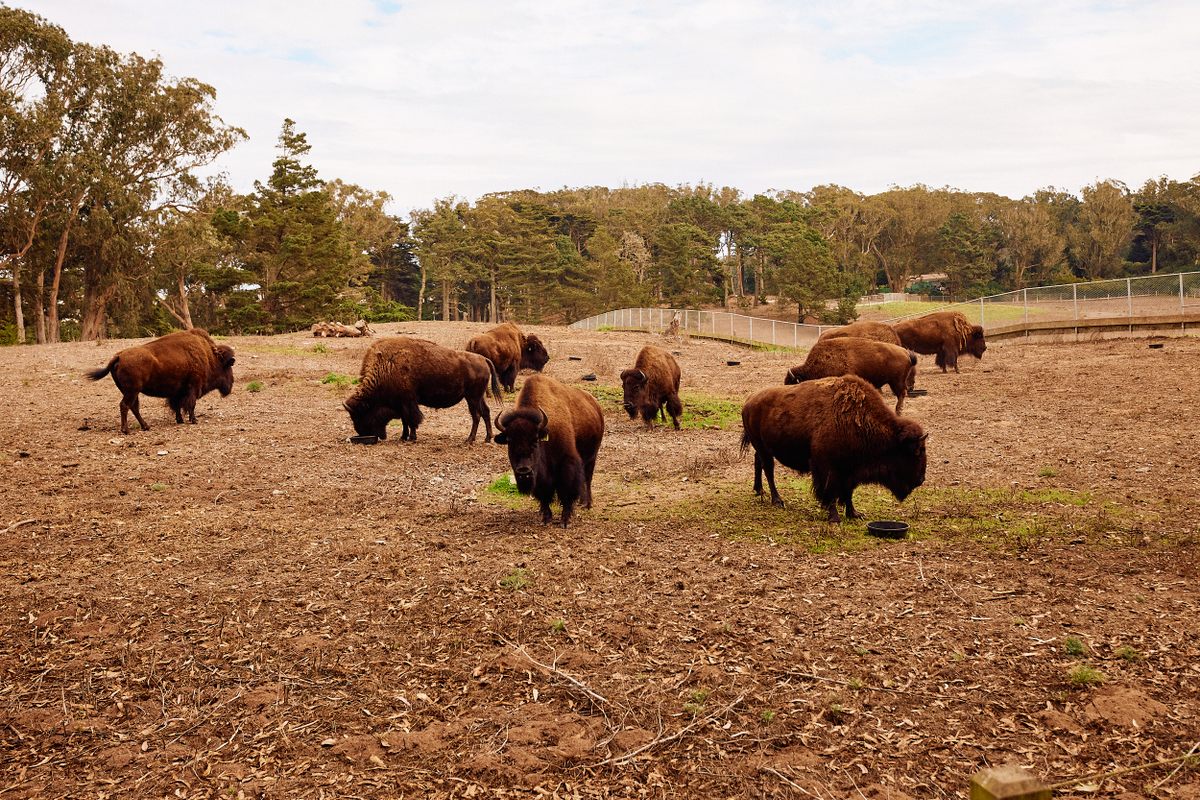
[(717, 324), (1117, 300), (1121, 300)]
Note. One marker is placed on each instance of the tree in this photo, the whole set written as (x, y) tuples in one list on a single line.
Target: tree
[(1105, 229), (1032, 241), (804, 271), (296, 245)]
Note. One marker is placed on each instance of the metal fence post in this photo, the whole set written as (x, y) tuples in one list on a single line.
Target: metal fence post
[(1129, 296), (1075, 299), (772, 332), (752, 329), (1026, 302), (1181, 311), (796, 335), (981, 312)]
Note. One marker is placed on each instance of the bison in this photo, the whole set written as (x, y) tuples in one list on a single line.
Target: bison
[(399, 374), (876, 362), (865, 329), (943, 334), (652, 386), (553, 435), (511, 351), (840, 430), (181, 367)]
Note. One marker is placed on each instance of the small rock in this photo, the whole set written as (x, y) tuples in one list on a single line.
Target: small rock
[(329, 743), (276, 492), (591, 376), (162, 452)]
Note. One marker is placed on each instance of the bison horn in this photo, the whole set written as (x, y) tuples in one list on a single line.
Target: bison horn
[(642, 375), (545, 420), (499, 425)]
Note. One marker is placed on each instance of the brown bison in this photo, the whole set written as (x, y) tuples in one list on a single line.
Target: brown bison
[(400, 374), (865, 329), (511, 351), (943, 334), (553, 436), (652, 386), (878, 363), (181, 367), (840, 430)]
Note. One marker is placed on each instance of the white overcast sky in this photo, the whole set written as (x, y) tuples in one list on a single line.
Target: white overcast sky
[(424, 98)]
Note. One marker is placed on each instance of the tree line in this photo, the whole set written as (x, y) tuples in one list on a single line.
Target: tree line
[(107, 228)]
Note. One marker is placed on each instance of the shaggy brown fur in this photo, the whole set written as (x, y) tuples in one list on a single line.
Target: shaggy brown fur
[(400, 374), (840, 430), (943, 334), (876, 362), (652, 386), (511, 351), (553, 436), (181, 367), (865, 329)]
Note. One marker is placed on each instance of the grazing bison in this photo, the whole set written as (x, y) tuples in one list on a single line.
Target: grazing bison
[(553, 435), (511, 351), (400, 374), (652, 386), (878, 363), (865, 329), (181, 367), (943, 334), (839, 430)]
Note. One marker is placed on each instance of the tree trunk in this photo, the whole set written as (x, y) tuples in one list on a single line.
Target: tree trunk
[(421, 296), (1153, 254), (445, 301), (95, 312), (492, 297), (39, 310), (60, 256), (18, 313), (184, 313)]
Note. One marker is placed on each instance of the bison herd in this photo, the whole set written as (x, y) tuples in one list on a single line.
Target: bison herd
[(828, 419)]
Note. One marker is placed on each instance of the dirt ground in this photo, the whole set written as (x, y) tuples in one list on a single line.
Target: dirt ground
[(254, 607)]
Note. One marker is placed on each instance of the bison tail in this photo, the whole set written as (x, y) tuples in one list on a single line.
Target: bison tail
[(495, 385), (97, 374), (745, 442), (912, 358)]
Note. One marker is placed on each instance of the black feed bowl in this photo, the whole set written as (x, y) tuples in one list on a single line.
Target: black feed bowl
[(887, 529), (1156, 345), (364, 439), (917, 392)]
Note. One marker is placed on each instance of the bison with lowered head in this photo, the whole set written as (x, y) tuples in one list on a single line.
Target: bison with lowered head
[(943, 334), (839, 430), (652, 386), (400, 374), (865, 329), (553, 436), (181, 367), (878, 363), (511, 351)]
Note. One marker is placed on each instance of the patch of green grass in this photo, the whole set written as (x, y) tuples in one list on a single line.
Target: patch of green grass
[(1129, 654), (700, 411), (504, 491), (1047, 472), (992, 312), (158, 487), (695, 706), (1082, 676), (337, 380), (558, 625), (767, 716), (254, 386), (516, 580), (1073, 646), (320, 347)]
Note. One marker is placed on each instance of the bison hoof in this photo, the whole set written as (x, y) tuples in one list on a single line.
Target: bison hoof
[(777, 501)]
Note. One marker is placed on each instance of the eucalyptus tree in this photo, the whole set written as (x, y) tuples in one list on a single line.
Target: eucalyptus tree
[(1105, 229)]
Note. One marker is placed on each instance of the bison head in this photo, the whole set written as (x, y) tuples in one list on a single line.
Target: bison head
[(369, 419), (534, 355), (794, 375), (905, 468), (221, 375), (634, 381), (523, 430), (975, 342)]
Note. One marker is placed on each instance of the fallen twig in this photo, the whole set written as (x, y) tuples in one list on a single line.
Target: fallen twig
[(625, 758), (553, 670), (1102, 776), (16, 525)]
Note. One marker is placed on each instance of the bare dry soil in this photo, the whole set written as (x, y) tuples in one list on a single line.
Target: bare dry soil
[(254, 607)]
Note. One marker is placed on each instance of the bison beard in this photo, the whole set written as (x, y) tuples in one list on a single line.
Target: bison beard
[(180, 367), (840, 430), (553, 436)]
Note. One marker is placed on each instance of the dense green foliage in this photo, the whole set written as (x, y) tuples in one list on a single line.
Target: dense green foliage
[(106, 230)]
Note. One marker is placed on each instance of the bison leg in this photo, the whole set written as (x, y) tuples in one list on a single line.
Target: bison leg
[(825, 490), (848, 502), (768, 468), (189, 404), (675, 408), (589, 467), (131, 403), (508, 377), (473, 407), (940, 360), (901, 392), (544, 494)]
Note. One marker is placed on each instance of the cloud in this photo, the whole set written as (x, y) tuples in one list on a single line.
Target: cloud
[(426, 99)]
